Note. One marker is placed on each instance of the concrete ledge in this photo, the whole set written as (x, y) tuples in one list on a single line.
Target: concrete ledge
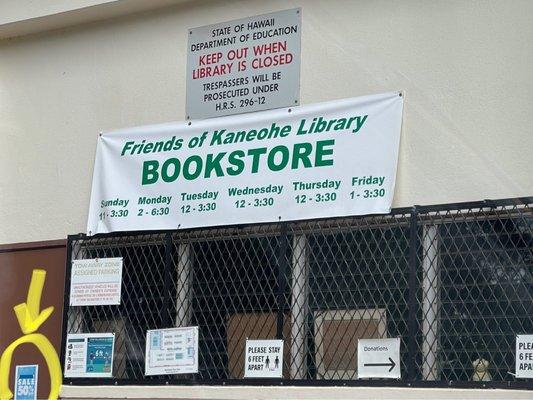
[(284, 393), (35, 17)]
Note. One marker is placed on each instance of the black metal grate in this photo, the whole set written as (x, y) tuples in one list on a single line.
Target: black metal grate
[(454, 282)]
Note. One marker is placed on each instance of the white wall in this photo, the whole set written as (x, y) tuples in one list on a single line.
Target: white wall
[(465, 67), (20, 10), (22, 17)]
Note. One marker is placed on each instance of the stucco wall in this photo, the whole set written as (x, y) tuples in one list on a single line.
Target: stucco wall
[(12, 11), (465, 67)]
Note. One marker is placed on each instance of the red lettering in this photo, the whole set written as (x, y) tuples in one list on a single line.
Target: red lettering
[(212, 58), (206, 72), (270, 48), (272, 61)]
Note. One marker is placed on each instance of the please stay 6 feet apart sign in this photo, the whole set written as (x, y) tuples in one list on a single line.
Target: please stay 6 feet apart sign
[(264, 359)]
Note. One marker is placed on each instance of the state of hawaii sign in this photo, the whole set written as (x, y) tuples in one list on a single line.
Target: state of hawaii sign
[(244, 65)]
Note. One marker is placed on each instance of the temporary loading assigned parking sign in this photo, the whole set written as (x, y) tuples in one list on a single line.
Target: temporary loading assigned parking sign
[(96, 282), (322, 160)]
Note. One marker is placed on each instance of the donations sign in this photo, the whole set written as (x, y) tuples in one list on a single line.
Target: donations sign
[(378, 358), (322, 160), (245, 65)]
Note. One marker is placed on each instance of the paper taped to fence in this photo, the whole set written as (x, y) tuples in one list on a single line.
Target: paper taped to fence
[(96, 282), (89, 355), (171, 351), (322, 160), (263, 359)]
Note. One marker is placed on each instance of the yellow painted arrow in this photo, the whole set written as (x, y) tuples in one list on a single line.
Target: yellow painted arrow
[(28, 314), (52, 361)]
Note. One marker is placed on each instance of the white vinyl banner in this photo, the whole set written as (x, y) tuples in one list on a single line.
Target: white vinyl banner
[(321, 160)]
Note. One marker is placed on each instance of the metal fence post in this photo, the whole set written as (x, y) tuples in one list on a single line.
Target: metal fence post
[(412, 321), (299, 293), (430, 302), (451, 280), (167, 299), (282, 280), (183, 284), (66, 302)]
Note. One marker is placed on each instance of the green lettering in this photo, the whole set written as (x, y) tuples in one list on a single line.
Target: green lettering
[(262, 134), (175, 163), (256, 155), (322, 151), (302, 151), (148, 148), (214, 164), (285, 131), (150, 174), (217, 137), (187, 174), (271, 160), (234, 159), (127, 146), (229, 138), (251, 135)]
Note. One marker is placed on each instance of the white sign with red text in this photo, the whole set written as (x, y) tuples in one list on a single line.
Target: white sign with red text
[(244, 65), (96, 282)]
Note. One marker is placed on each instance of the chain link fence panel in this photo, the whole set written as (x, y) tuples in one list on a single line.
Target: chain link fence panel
[(453, 282)]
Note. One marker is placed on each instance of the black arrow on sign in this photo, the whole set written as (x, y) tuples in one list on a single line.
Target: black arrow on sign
[(392, 364)]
